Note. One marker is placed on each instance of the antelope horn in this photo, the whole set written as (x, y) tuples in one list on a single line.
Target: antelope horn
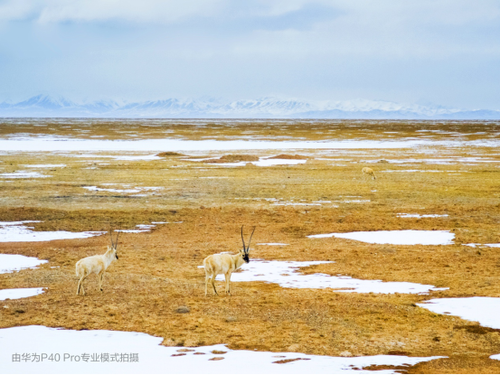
[(117, 235), (244, 248), (111, 238), (248, 248)]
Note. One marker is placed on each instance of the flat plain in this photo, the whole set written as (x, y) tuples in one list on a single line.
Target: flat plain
[(290, 179)]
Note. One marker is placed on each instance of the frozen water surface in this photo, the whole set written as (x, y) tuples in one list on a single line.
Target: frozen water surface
[(152, 358), (397, 237), (19, 293), (15, 262), (18, 232), (285, 274)]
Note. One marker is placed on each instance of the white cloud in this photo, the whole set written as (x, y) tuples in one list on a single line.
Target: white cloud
[(55, 11)]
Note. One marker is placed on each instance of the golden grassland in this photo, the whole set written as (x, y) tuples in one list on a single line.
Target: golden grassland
[(205, 205)]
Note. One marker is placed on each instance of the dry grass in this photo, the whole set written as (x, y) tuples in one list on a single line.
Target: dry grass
[(288, 156), (157, 272)]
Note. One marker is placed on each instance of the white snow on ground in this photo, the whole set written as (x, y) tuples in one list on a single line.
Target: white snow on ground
[(397, 237), (45, 165), (484, 310), (484, 244), (137, 157), (285, 274), (15, 262), (143, 228), (84, 352), (95, 188), (262, 162), (23, 174), (270, 162), (124, 191), (19, 293), (469, 160), (18, 232), (419, 216)]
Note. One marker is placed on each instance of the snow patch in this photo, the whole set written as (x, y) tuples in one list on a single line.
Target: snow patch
[(15, 262), (19, 293), (397, 237), (153, 358), (285, 274), (18, 232)]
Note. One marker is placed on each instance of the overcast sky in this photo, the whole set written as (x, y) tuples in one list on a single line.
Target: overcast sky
[(444, 52)]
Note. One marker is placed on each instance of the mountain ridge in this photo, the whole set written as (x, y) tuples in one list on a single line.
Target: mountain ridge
[(266, 107)]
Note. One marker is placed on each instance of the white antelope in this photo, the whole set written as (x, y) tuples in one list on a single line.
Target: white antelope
[(369, 172), (225, 264), (96, 264)]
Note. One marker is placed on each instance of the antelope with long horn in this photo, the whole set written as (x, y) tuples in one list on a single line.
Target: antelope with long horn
[(225, 264), (96, 264)]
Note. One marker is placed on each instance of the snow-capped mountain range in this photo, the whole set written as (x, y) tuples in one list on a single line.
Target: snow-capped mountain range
[(269, 107)]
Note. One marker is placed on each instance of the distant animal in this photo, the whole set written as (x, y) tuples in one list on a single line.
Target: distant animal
[(368, 172), (96, 264), (226, 264)]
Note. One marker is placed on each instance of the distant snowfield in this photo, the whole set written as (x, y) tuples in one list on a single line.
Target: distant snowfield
[(34, 143), (17, 231), (397, 237), (37, 144), (284, 273), (71, 347)]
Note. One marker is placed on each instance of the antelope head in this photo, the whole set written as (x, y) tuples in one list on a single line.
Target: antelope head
[(114, 245), (246, 249)]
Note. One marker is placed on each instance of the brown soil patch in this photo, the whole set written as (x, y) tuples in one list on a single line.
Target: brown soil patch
[(283, 361), (233, 159), (169, 154), (288, 156)]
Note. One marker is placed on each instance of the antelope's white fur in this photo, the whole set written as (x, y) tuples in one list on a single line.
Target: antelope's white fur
[(95, 264), (225, 264)]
